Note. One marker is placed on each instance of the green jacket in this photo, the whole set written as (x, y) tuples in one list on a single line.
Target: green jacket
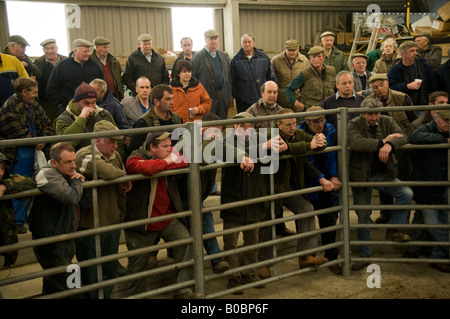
[(111, 198), (8, 234), (70, 122), (363, 146), (337, 60)]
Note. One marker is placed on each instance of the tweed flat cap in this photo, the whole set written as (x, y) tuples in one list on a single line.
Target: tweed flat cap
[(145, 37), (379, 76), (101, 40), (291, 44), (315, 109), (211, 33), (47, 41), (82, 43), (443, 114), (107, 126), (243, 115), (423, 34), (361, 55), (316, 50), (18, 39), (327, 33)]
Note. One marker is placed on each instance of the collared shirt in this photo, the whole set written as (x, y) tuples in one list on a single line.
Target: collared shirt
[(210, 53), (148, 57), (339, 96)]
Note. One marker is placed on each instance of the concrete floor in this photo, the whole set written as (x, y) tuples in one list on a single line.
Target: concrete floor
[(405, 280)]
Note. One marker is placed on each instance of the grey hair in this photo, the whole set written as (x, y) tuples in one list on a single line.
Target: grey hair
[(247, 35), (338, 76), (371, 103), (407, 45), (390, 40)]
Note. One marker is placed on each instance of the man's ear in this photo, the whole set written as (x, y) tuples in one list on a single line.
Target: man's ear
[(53, 162)]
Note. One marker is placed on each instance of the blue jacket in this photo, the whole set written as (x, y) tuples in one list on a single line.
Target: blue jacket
[(325, 162), (113, 106), (397, 81), (247, 76)]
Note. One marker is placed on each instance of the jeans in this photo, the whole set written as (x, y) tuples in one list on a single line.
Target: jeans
[(24, 167), (362, 196), (211, 245), (437, 217)]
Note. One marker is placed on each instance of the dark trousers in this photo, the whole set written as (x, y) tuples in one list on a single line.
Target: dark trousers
[(55, 255), (85, 246)]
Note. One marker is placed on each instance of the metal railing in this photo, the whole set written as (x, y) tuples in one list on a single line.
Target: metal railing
[(195, 213)]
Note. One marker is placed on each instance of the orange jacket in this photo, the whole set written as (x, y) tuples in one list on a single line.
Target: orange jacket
[(196, 96)]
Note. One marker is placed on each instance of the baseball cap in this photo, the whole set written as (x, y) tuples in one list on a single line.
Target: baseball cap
[(156, 136)]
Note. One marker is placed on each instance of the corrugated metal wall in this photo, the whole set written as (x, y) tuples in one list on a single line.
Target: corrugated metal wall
[(273, 27), (123, 25)]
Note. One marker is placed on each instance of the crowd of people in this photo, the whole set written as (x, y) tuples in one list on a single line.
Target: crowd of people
[(84, 92)]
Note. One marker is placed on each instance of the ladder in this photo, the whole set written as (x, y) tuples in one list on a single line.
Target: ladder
[(371, 44)]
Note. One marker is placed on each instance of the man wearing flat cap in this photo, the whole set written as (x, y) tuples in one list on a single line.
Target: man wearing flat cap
[(110, 66), (333, 56), (315, 82), (111, 203), (360, 74), (152, 198), (69, 73), (16, 47), (145, 62), (425, 50), (46, 63), (287, 65), (211, 67)]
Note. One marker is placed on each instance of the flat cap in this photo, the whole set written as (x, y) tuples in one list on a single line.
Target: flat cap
[(443, 114), (243, 115), (211, 33), (361, 55), (316, 50), (101, 40), (156, 136), (81, 43), (3, 158), (315, 109), (145, 37), (47, 41), (379, 76), (423, 34), (327, 33), (107, 126), (291, 44), (18, 39)]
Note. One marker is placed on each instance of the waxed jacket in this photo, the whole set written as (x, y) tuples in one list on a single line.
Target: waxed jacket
[(137, 66), (429, 164), (285, 73), (363, 146), (337, 60), (195, 96), (238, 185), (248, 75), (432, 54)]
